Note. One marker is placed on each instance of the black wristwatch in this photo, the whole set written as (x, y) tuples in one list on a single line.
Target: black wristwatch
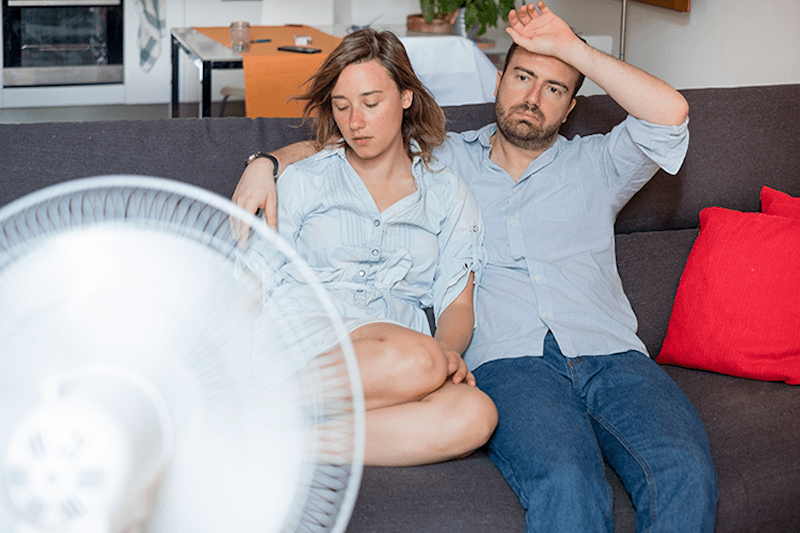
[(256, 155)]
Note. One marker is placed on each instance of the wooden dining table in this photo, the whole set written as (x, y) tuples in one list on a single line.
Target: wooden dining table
[(272, 77)]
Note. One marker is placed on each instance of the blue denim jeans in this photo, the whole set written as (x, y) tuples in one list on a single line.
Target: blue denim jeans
[(559, 417)]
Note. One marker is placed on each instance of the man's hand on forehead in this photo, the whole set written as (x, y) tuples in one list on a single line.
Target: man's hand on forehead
[(540, 32)]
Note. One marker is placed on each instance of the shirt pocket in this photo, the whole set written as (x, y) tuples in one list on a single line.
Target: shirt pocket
[(558, 200)]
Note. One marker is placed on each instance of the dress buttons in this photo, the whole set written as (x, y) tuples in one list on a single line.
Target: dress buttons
[(375, 252), (377, 223), (361, 273)]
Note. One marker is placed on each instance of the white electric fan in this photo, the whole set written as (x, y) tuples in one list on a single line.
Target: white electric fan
[(143, 384)]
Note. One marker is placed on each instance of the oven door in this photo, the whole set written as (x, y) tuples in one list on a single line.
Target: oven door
[(62, 42)]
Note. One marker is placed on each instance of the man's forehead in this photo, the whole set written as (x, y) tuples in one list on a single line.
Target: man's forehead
[(543, 66)]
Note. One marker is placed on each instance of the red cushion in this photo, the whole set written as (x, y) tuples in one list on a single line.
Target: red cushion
[(778, 203), (737, 308)]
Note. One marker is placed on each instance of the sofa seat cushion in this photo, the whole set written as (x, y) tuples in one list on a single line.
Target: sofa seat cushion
[(755, 443), (737, 308), (466, 495)]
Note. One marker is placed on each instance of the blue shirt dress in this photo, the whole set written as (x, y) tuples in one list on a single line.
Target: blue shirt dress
[(375, 266)]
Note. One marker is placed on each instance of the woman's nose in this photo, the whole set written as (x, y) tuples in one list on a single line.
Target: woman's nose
[(356, 119)]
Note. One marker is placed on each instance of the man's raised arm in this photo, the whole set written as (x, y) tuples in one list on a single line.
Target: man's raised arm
[(256, 188), (642, 95)]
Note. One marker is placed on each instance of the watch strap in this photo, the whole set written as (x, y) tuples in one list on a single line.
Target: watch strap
[(271, 157)]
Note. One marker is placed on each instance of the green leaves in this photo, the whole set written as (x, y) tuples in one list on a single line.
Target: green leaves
[(440, 8), (483, 12)]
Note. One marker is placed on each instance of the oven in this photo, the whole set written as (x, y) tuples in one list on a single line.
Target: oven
[(62, 42)]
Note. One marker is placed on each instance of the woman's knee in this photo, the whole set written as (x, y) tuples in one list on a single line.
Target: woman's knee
[(482, 414), (418, 360), (469, 418)]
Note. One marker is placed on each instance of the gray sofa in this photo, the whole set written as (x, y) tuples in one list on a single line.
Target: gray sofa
[(741, 139)]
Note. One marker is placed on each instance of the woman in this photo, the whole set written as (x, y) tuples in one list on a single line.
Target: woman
[(390, 232)]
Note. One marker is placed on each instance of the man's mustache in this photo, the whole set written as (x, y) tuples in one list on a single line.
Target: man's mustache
[(529, 109)]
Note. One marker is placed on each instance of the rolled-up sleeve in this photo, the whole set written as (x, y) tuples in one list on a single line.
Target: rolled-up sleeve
[(461, 248), (664, 145)]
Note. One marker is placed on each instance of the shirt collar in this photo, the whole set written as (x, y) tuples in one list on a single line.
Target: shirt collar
[(484, 136), (337, 150), (417, 164)]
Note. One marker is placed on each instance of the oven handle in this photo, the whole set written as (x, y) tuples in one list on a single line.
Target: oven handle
[(64, 3), (61, 47)]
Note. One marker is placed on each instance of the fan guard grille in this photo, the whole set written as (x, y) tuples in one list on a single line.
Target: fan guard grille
[(146, 274)]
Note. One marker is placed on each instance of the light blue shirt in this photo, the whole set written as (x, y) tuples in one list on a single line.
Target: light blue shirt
[(388, 265), (551, 262)]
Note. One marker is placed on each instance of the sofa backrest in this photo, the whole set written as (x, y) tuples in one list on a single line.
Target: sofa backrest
[(740, 139), (209, 153)]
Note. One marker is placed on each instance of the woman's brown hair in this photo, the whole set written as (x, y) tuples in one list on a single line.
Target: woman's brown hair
[(423, 122)]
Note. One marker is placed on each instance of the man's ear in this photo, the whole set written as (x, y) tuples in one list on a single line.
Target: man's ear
[(571, 107), (497, 83)]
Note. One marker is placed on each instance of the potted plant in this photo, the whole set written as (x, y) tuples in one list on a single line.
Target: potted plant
[(473, 12)]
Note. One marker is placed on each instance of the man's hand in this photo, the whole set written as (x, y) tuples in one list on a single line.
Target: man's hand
[(256, 190), (642, 95), (540, 33)]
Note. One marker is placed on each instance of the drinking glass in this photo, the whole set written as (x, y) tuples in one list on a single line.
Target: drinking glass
[(240, 36)]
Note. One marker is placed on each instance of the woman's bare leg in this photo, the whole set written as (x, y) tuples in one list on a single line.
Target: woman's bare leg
[(415, 415), (449, 423), (397, 364)]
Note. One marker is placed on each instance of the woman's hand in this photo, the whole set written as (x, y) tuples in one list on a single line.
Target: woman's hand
[(457, 368), (454, 332)]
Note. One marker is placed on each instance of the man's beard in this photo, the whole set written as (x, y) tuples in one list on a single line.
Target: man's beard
[(525, 135)]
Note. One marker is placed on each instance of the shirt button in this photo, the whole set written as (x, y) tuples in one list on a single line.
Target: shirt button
[(361, 273), (511, 222), (537, 278), (543, 315)]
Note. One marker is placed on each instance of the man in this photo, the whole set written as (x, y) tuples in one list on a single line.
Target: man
[(556, 345)]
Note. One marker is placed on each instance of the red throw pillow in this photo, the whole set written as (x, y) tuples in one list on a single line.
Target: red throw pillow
[(737, 308), (779, 203)]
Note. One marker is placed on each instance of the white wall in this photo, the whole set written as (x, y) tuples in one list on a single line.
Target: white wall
[(385, 11), (720, 43)]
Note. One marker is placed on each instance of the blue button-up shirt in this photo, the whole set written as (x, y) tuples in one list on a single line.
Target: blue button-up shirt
[(385, 265), (551, 262)]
